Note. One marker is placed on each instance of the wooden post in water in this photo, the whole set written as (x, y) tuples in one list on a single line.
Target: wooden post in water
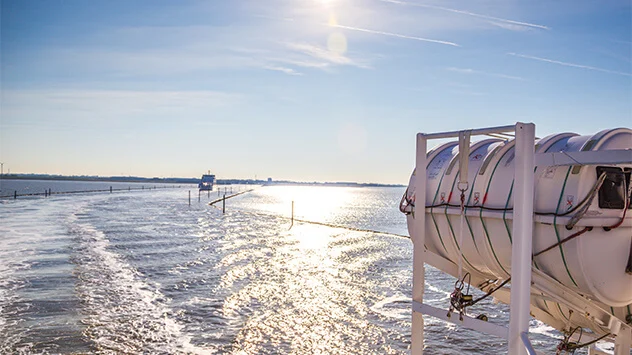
[(110, 189), (189, 197), (292, 224), (15, 194), (224, 204), (46, 193), (199, 193)]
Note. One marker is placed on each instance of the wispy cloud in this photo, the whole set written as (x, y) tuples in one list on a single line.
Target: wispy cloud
[(470, 93), (303, 63), (288, 71), (510, 26), (324, 57), (621, 41), (567, 64), (87, 107), (501, 22), (479, 72), (612, 54), (396, 35)]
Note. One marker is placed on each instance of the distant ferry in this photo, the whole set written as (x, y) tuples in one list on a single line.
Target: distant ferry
[(207, 182)]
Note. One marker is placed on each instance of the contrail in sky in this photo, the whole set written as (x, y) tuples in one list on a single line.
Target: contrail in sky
[(569, 64), (472, 71), (526, 24), (396, 35)]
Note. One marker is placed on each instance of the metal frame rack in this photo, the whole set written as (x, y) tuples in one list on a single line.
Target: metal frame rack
[(521, 263)]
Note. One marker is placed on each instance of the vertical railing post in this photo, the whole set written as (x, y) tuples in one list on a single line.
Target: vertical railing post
[(224, 204), (623, 342), (418, 239), (189, 197), (521, 249)]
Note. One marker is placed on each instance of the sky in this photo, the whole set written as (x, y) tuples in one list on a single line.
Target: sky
[(306, 90)]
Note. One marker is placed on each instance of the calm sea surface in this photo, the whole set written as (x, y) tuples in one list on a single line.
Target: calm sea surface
[(144, 272)]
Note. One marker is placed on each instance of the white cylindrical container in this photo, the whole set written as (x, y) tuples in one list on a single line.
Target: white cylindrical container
[(593, 263)]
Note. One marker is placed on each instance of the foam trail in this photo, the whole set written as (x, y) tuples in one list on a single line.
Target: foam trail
[(13, 263), (124, 313), (391, 312)]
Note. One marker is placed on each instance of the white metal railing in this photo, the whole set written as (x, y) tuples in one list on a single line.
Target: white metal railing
[(522, 231), (527, 343)]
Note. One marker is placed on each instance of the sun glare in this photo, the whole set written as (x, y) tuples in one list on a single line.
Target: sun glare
[(314, 203), (337, 43)]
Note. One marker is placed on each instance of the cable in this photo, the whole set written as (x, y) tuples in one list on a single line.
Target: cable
[(570, 237), (409, 202), (628, 198), (445, 204), (588, 196), (571, 347), (489, 293)]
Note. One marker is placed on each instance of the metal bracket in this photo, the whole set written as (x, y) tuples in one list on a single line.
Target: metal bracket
[(468, 322)]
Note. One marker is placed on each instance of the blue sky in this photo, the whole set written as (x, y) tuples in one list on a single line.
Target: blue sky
[(311, 90)]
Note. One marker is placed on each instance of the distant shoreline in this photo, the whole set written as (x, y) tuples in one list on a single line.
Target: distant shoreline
[(157, 180), (99, 178)]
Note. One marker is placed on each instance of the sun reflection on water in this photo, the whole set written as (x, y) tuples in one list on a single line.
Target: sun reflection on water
[(294, 285), (313, 203)]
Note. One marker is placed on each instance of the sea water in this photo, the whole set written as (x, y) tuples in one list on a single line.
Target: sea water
[(145, 272)]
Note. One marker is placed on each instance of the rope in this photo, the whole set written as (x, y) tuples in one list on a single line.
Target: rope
[(570, 237), (588, 201), (458, 299), (489, 293), (348, 228), (582, 203), (580, 214), (628, 198), (327, 224), (227, 197), (405, 202), (571, 346), (460, 246), (463, 185)]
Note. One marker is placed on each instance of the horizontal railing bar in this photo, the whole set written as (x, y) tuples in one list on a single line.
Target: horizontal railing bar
[(614, 156), (473, 132), (468, 322)]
